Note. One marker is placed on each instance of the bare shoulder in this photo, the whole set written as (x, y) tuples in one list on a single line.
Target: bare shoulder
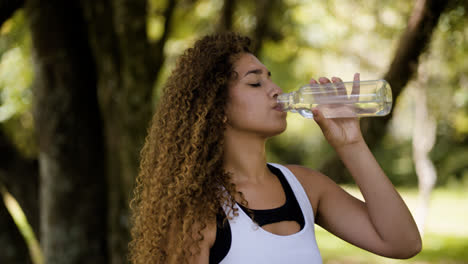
[(301, 170), (309, 178), (314, 182)]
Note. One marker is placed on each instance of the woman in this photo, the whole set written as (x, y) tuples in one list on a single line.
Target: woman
[(206, 194)]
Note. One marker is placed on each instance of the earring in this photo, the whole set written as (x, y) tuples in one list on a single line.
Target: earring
[(225, 119)]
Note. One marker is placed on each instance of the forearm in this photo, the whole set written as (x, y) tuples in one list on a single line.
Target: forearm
[(387, 211)]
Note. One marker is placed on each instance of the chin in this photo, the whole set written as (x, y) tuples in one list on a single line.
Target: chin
[(277, 130)]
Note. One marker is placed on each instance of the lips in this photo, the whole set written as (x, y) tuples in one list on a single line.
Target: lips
[(278, 107)]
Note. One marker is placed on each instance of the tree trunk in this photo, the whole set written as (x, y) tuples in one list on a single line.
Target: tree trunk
[(424, 136), (157, 48), (127, 66), (413, 43), (225, 19), (69, 135), (263, 11)]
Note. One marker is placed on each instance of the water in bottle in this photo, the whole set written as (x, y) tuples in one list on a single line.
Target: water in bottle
[(343, 99)]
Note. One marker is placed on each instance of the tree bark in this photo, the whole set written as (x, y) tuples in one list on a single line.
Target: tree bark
[(157, 48), (127, 66), (424, 137), (262, 15), (225, 19), (412, 44), (69, 135)]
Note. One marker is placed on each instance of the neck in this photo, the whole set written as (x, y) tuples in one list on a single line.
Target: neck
[(245, 157)]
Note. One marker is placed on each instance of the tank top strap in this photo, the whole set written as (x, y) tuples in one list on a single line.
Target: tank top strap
[(298, 190)]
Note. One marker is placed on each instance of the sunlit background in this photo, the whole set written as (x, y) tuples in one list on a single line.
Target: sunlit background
[(313, 39)]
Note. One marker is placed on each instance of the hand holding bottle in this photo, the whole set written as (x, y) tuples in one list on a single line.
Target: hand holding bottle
[(340, 99), (339, 132)]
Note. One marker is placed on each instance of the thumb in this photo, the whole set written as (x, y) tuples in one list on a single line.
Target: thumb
[(320, 120), (318, 116)]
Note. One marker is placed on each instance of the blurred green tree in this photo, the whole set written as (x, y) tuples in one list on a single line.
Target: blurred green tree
[(413, 42), (98, 67), (95, 65)]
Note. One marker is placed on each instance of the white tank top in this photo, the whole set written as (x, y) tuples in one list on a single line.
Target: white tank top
[(252, 244)]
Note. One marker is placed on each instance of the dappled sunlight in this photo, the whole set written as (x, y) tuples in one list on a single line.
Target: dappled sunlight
[(15, 79), (298, 40)]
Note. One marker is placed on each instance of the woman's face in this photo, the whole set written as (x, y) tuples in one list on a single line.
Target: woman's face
[(251, 105)]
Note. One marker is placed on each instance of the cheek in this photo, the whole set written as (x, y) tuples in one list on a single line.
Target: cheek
[(241, 110)]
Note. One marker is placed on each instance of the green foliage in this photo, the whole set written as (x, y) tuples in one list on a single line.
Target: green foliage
[(15, 80), (332, 42), (308, 39), (443, 73)]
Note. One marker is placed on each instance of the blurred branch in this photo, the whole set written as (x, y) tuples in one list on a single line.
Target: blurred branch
[(21, 177), (130, 27), (263, 9), (412, 44), (157, 48), (8, 8), (423, 124), (12, 244), (227, 12)]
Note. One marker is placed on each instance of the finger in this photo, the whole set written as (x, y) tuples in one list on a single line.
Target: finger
[(313, 81), (320, 119), (316, 88), (356, 86), (318, 116), (340, 88), (327, 86)]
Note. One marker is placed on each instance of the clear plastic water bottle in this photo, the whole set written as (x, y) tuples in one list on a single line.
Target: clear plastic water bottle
[(343, 99)]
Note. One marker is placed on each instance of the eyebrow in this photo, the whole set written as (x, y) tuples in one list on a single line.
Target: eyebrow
[(256, 71)]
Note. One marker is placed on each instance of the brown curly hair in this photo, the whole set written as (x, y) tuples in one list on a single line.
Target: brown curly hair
[(182, 182)]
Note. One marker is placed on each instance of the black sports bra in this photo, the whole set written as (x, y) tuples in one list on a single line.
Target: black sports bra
[(289, 211)]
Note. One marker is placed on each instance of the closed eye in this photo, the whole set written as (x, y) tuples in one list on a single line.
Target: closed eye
[(255, 84)]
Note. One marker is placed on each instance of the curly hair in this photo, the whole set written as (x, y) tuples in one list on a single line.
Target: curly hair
[(182, 184)]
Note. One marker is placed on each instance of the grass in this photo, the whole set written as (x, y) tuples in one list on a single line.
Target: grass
[(445, 240)]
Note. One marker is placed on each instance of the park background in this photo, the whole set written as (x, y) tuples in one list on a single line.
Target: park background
[(79, 81)]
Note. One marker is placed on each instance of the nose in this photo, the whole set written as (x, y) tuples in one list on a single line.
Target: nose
[(276, 90)]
